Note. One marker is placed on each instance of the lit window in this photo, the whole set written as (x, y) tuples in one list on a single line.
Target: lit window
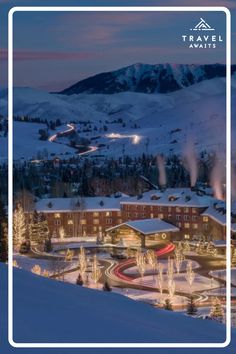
[(186, 225), (187, 237), (186, 217), (108, 221), (83, 222), (179, 224), (108, 213), (119, 213), (70, 222), (194, 218), (95, 214), (205, 218), (57, 215), (57, 222), (178, 217), (194, 210), (160, 216), (151, 215), (95, 228), (96, 221), (178, 210), (195, 226), (186, 210)]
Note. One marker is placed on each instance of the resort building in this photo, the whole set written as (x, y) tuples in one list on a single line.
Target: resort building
[(179, 213)]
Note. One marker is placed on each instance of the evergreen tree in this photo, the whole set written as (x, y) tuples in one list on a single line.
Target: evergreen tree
[(3, 234), (168, 305), (191, 308), (106, 286), (48, 245), (79, 280), (19, 227)]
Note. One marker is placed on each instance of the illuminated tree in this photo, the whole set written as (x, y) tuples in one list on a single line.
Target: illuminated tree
[(96, 272), (141, 262), (19, 227), (69, 255), (160, 278), (151, 259), (217, 312), (36, 269), (39, 232), (190, 275), (82, 262)]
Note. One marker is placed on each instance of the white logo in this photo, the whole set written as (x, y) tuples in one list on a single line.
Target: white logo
[(202, 26), (200, 38)]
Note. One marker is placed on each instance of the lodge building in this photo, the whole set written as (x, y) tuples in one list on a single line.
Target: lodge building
[(191, 214)]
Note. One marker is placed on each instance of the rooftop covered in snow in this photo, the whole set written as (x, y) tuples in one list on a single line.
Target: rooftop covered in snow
[(148, 226), (183, 197), (52, 205)]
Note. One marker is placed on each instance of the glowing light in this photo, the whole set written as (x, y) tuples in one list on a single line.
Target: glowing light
[(135, 138)]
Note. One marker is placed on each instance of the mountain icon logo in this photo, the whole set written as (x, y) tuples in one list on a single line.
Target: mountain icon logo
[(202, 26)]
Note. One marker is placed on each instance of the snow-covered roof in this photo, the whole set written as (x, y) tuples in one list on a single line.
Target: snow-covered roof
[(216, 214), (148, 226), (52, 205), (183, 197)]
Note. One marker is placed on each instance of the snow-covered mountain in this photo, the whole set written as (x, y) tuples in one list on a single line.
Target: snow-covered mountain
[(159, 78)]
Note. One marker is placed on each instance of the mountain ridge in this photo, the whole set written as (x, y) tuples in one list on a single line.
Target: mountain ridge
[(147, 78)]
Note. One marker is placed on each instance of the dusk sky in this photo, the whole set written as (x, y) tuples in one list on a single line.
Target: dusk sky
[(54, 50)]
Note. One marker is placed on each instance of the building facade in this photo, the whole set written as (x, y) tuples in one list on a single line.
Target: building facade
[(195, 215)]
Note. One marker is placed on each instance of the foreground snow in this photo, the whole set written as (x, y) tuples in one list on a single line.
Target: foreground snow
[(64, 312), (70, 313)]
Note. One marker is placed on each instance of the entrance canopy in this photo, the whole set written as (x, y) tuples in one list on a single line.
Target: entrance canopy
[(147, 226)]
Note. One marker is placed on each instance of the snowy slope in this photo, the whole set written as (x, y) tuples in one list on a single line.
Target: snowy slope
[(89, 315), (196, 112), (61, 312)]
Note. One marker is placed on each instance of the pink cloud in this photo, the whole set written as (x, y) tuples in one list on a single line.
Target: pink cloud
[(24, 55)]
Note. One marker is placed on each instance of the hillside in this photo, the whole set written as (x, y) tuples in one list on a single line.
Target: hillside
[(90, 315)]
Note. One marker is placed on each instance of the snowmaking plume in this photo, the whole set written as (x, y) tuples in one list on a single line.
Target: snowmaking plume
[(217, 179), (190, 162), (162, 170)]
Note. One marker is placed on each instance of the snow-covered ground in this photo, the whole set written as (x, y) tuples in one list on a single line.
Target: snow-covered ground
[(150, 122), (164, 262), (200, 282), (28, 146), (221, 274), (68, 313), (150, 297), (51, 265)]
